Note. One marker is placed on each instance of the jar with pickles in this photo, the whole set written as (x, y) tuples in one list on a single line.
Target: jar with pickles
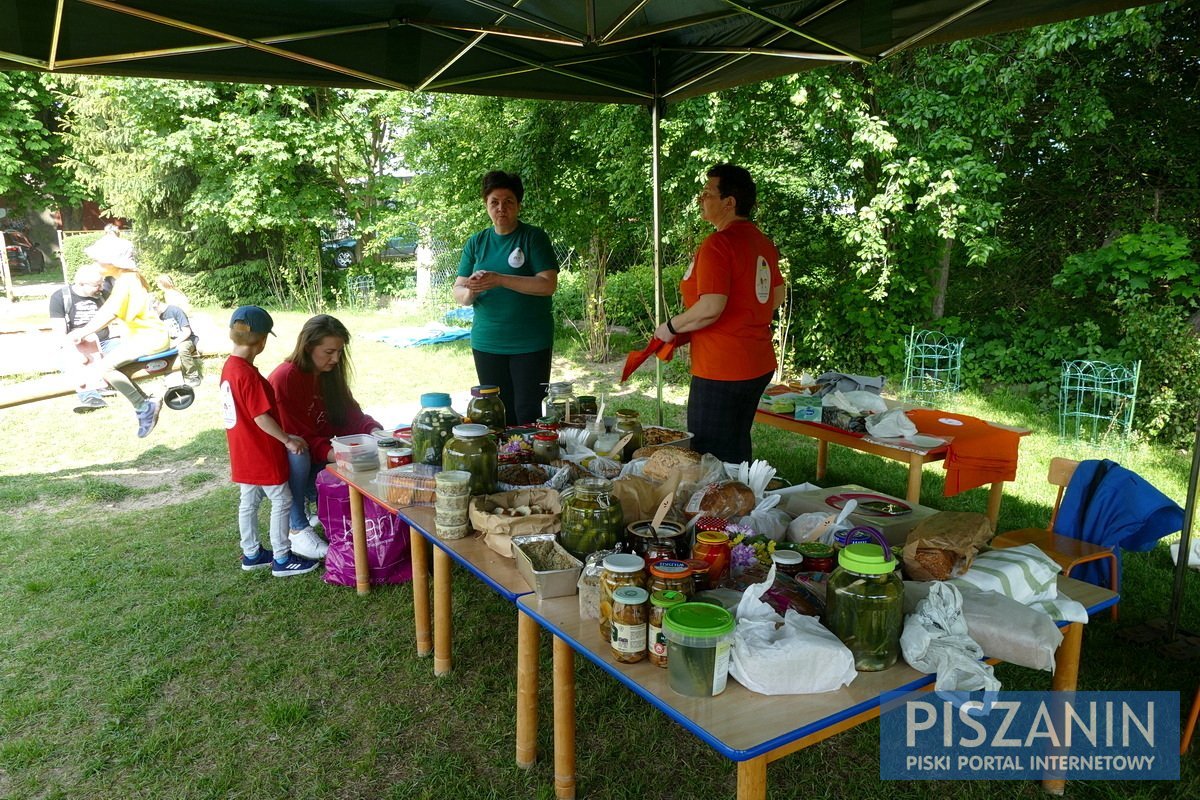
[(433, 427), (591, 517), (864, 604), (472, 450), (545, 447), (629, 422), (486, 408), (560, 401), (616, 571)]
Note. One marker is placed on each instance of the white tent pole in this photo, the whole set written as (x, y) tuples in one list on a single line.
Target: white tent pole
[(1185, 540), (655, 119)]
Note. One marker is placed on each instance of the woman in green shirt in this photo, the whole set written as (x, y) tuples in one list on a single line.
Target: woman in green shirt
[(509, 273)]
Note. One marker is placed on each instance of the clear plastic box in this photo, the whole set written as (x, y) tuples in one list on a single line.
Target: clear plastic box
[(357, 452), (405, 486)]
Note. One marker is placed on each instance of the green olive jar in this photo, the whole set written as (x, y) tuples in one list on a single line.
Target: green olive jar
[(629, 422), (472, 450), (486, 408), (591, 517)]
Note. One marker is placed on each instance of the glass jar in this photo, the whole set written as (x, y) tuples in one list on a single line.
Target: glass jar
[(656, 642), (787, 562), (659, 550), (818, 556), (674, 576), (560, 402), (628, 630), (591, 517), (545, 447), (713, 547), (472, 450), (628, 422), (433, 427), (587, 405), (546, 424), (617, 570), (864, 604), (641, 535), (486, 408), (700, 574)]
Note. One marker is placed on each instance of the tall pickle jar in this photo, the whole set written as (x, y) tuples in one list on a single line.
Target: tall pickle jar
[(560, 401), (472, 450), (864, 604), (628, 629), (591, 517), (617, 570), (628, 422), (545, 447), (656, 642), (433, 427), (587, 405), (670, 576), (486, 408)]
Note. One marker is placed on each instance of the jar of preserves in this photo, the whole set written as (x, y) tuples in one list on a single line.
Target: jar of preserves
[(433, 427), (628, 632), (656, 642), (617, 570), (787, 562), (591, 517), (713, 547), (486, 408), (818, 556), (545, 447), (700, 574), (560, 402), (864, 604), (546, 424), (629, 422), (659, 550), (675, 576), (472, 450), (587, 405)]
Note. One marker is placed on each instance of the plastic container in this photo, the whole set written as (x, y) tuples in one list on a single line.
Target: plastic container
[(403, 487), (357, 452), (591, 517), (656, 641), (433, 427), (629, 629), (650, 433), (486, 408), (864, 604), (472, 450), (546, 582), (699, 638)]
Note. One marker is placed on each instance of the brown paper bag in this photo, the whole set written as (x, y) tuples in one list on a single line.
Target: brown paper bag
[(944, 545), (497, 528)]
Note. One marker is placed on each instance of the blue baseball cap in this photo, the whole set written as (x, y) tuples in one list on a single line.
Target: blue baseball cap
[(258, 320)]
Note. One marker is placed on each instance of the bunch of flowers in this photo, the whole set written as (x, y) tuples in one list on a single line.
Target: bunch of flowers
[(748, 547)]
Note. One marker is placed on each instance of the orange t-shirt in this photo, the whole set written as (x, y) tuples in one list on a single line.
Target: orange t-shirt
[(742, 264)]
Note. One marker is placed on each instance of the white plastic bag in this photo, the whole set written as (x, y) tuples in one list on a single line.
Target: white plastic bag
[(893, 423), (819, 526), (856, 403), (768, 520), (793, 654), (935, 639)]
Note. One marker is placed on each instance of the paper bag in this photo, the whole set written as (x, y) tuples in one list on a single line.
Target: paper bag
[(943, 546), (488, 518)]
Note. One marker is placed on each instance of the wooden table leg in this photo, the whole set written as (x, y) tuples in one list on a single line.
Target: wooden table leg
[(358, 530), (1066, 679), (995, 495), (443, 632), (914, 479), (564, 720), (419, 548), (527, 686), (822, 457), (752, 779)]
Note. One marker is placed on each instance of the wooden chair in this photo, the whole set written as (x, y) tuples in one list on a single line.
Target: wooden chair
[(1068, 553), (1185, 740)]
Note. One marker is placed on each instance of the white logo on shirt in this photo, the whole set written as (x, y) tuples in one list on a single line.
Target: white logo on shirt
[(691, 266), (762, 280), (516, 259), (228, 409)]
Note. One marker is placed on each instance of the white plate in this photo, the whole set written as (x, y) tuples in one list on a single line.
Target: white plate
[(921, 440)]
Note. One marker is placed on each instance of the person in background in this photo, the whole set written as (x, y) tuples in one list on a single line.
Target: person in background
[(183, 339), (313, 388), (258, 447), (144, 335), (71, 308), (730, 291), (171, 294), (509, 273)]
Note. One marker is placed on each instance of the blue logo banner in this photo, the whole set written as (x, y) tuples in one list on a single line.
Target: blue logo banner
[(1029, 736)]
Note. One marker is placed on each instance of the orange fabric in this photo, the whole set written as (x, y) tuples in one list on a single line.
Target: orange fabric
[(978, 453), (741, 263)]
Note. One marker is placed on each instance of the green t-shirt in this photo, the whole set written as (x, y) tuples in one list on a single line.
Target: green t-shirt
[(508, 322)]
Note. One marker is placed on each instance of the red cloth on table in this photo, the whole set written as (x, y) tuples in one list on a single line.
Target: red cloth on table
[(978, 453)]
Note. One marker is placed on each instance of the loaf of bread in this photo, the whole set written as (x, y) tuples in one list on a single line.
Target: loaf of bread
[(724, 499), (664, 461)]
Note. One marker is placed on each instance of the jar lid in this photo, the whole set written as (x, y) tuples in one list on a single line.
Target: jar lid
[(594, 485), (385, 443), (787, 558), (865, 558), (471, 430), (670, 569), (484, 389), (624, 562), (631, 595), (712, 537), (711, 524), (560, 387), (667, 598), (435, 399), (546, 436), (584, 397), (627, 412), (703, 620), (815, 549)]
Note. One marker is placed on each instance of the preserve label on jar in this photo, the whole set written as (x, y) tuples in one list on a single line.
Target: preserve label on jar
[(628, 638)]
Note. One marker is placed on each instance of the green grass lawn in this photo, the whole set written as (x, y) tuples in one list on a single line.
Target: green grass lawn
[(138, 660)]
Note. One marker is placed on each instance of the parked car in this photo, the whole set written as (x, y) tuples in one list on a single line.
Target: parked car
[(340, 252), (23, 255)]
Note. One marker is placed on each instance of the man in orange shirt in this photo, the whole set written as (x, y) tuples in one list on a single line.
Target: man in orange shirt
[(731, 291)]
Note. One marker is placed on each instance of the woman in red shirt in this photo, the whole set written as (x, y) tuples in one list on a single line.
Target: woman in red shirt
[(731, 291), (312, 389)]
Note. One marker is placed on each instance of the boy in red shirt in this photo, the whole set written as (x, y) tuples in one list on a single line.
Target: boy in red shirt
[(258, 446)]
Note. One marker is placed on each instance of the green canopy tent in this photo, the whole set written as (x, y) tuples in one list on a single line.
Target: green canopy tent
[(649, 52)]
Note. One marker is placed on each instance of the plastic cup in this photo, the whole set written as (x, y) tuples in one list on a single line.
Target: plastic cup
[(453, 483), (452, 531)]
